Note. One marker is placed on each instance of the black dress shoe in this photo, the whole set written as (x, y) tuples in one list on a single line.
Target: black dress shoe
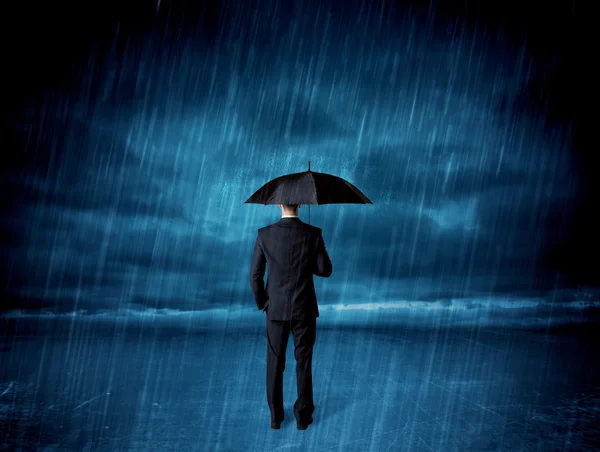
[(304, 426), (275, 425)]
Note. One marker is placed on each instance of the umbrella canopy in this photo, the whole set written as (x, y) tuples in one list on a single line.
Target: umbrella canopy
[(308, 187)]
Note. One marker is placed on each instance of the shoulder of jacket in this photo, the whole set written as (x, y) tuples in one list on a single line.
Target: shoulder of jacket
[(265, 228)]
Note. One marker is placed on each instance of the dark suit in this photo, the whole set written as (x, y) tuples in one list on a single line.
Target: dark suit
[(293, 251)]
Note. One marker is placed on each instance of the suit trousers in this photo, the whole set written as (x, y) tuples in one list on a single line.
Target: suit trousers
[(278, 332)]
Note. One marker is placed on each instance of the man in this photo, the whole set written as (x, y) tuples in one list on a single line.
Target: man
[(294, 251)]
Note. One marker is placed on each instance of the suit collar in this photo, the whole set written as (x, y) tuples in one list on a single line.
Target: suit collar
[(289, 221)]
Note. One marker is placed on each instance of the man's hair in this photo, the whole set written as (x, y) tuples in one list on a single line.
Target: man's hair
[(290, 206)]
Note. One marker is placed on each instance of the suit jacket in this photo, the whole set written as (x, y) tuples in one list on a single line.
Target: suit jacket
[(294, 251)]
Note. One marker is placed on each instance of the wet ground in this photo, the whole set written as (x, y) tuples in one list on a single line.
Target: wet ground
[(113, 385)]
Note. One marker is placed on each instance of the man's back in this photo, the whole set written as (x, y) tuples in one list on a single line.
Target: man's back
[(293, 251)]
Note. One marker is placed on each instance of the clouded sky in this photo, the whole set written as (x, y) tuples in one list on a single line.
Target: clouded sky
[(142, 200)]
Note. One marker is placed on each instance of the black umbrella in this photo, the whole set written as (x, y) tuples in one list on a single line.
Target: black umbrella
[(309, 188)]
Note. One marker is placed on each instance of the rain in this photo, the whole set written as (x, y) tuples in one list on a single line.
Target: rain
[(462, 307)]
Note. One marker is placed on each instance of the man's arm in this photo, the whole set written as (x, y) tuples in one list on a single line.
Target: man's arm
[(323, 263), (257, 273)]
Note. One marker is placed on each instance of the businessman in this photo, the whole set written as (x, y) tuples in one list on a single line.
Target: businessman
[(294, 251)]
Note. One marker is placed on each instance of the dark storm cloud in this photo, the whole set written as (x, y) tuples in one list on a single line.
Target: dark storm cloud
[(95, 172), (364, 289), (524, 213), (143, 200), (397, 256), (118, 195), (125, 242), (60, 271), (117, 258), (452, 211), (102, 223), (182, 304), (270, 113), (376, 228), (495, 247), (102, 237), (64, 304), (404, 172), (278, 117)]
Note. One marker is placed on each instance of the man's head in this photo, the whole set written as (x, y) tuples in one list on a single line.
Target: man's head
[(289, 209)]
